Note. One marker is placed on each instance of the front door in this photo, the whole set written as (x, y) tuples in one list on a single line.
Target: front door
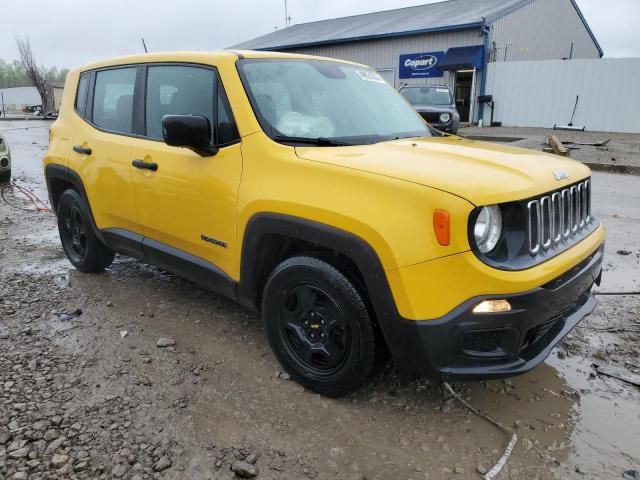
[(188, 202), (462, 93)]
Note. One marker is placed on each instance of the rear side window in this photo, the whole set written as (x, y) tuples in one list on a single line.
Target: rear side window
[(113, 99), (81, 96), (186, 90)]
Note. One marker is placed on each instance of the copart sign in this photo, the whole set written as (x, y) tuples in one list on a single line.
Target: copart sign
[(420, 65)]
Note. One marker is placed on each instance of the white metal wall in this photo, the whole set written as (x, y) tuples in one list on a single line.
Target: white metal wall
[(542, 30), (543, 93)]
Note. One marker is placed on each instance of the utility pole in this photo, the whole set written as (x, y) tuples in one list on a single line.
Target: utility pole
[(287, 18)]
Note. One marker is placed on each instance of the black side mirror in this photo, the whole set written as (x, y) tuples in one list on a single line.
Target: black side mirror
[(189, 131)]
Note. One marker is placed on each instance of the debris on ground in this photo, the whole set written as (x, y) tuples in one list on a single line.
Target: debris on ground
[(244, 470), (620, 374), (165, 342), (587, 144), (557, 146), (497, 468), (65, 317)]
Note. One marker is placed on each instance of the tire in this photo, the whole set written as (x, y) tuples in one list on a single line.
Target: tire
[(5, 176), (83, 249), (318, 326)]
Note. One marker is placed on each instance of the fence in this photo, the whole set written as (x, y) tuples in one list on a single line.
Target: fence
[(543, 93)]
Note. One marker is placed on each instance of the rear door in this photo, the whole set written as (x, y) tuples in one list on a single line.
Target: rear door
[(101, 147), (188, 202)]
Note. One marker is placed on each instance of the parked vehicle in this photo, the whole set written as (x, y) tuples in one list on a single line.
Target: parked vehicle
[(5, 161), (435, 104), (309, 190)]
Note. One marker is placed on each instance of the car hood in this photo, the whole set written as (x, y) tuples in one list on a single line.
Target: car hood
[(482, 173)]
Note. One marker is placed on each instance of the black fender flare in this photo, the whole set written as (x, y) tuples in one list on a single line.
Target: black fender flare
[(55, 171), (351, 246)]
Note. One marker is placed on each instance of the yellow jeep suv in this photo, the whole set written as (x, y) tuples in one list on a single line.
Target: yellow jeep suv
[(309, 190)]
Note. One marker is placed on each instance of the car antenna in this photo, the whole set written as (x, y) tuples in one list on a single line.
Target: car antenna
[(144, 45)]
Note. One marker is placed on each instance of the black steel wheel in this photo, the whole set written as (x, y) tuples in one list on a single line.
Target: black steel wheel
[(74, 232), (83, 249), (318, 326), (314, 329)]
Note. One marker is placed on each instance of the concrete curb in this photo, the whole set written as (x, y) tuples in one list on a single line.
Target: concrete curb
[(624, 169), (19, 119)]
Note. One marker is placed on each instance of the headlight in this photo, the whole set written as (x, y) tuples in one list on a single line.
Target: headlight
[(445, 117), (488, 228)]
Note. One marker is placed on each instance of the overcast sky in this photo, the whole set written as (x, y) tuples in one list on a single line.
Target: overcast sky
[(68, 33)]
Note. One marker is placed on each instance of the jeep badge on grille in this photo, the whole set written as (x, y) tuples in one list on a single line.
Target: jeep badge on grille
[(561, 176)]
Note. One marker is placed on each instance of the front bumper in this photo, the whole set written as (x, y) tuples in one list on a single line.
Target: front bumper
[(464, 345), (448, 128), (432, 118)]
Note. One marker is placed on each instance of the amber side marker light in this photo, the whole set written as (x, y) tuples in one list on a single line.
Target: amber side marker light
[(441, 225), (492, 306)]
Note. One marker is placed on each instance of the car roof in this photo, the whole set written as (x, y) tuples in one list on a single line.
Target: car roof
[(211, 57)]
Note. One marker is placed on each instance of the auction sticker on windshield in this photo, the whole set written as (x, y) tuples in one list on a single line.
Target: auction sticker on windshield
[(370, 76)]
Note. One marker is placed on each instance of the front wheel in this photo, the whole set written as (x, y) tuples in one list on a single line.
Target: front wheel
[(318, 326), (83, 249)]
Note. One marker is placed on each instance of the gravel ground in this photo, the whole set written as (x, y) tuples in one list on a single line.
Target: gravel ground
[(95, 396)]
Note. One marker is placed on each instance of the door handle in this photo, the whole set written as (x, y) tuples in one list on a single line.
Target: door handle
[(82, 150), (145, 165)]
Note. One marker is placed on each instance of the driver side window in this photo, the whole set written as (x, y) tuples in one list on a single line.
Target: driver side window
[(187, 90)]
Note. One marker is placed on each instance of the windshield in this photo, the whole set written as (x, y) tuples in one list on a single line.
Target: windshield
[(428, 95), (314, 99)]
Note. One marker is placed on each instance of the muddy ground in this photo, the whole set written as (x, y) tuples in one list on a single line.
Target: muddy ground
[(94, 397)]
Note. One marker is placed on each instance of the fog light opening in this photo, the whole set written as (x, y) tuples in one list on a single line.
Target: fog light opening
[(492, 306)]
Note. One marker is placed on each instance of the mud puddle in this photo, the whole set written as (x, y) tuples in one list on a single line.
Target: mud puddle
[(607, 419)]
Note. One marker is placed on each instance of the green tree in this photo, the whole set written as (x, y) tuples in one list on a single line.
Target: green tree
[(14, 74)]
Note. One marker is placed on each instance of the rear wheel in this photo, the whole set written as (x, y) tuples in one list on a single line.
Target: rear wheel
[(84, 250), (318, 326)]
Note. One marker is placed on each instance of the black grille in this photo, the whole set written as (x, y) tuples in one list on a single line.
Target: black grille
[(431, 117), (483, 342)]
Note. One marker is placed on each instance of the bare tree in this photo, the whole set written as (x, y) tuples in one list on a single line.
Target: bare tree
[(35, 73)]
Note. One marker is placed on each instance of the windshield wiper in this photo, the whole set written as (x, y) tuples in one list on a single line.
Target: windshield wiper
[(320, 141)]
